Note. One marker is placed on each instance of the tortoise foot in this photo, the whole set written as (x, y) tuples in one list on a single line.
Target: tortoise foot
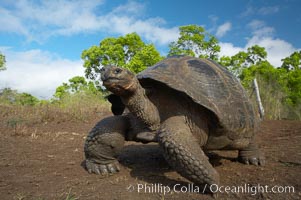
[(252, 159), (103, 169), (251, 155)]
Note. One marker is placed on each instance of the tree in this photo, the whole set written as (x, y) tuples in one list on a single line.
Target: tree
[(61, 91), (2, 62), (127, 51), (76, 84), (280, 87), (294, 87), (9, 96), (265, 71), (292, 66), (196, 42), (254, 55), (272, 87), (27, 99), (148, 56), (293, 62), (225, 61)]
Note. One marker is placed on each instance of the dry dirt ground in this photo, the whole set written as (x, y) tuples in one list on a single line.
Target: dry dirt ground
[(45, 162)]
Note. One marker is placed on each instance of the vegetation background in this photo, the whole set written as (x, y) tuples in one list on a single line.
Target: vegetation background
[(81, 97)]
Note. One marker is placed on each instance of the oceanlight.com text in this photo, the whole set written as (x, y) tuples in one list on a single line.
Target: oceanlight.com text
[(252, 189), (214, 188)]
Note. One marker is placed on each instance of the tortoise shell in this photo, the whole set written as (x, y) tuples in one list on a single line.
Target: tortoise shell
[(210, 85)]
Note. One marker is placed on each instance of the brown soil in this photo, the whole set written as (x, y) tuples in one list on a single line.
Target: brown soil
[(45, 162)]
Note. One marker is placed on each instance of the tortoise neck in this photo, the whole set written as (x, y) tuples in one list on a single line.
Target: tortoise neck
[(140, 105)]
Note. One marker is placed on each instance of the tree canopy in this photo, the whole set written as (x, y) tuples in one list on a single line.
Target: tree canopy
[(293, 62), (76, 84), (196, 42), (280, 87), (127, 51), (253, 56), (9, 96), (292, 66)]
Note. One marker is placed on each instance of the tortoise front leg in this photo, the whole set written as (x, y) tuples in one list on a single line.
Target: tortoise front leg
[(183, 152), (103, 143)]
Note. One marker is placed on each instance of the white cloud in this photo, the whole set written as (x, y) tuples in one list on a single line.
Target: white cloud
[(277, 49), (37, 72), (149, 29), (265, 10), (223, 29), (268, 10), (228, 49), (131, 8), (10, 23), (260, 29), (43, 19), (262, 35), (256, 24)]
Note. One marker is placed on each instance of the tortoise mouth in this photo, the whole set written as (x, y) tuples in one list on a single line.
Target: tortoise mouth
[(108, 80), (114, 83)]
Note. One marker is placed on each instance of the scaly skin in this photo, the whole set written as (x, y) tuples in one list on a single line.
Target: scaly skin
[(141, 107), (103, 143), (183, 153), (124, 84)]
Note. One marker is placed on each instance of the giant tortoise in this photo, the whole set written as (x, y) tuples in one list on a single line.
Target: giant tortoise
[(188, 105)]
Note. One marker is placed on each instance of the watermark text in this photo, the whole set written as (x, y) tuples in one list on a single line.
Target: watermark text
[(214, 188)]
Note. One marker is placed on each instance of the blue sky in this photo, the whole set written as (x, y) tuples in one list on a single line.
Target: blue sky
[(43, 40)]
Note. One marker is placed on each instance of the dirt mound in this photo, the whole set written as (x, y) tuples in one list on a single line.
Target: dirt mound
[(46, 163)]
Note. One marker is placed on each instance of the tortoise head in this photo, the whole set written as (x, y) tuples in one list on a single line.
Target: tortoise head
[(119, 81)]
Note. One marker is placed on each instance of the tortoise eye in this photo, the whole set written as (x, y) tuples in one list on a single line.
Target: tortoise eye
[(117, 71)]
